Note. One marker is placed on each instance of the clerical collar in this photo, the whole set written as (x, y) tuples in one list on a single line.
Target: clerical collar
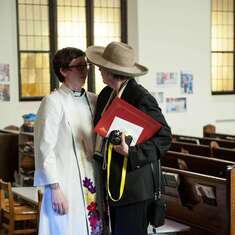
[(73, 92), (78, 93)]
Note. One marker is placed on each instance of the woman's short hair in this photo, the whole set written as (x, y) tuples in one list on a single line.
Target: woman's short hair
[(63, 58)]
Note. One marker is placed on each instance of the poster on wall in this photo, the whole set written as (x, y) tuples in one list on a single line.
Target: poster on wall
[(166, 78), (4, 82), (4, 73), (186, 82), (176, 105), (4, 92)]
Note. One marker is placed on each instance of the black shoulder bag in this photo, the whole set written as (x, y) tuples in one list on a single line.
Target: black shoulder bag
[(158, 207)]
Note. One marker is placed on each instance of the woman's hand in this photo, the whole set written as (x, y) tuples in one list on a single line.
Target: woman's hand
[(122, 148), (59, 202)]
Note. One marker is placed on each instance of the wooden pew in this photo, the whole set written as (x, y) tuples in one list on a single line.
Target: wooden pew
[(222, 143), (223, 153), (204, 141), (199, 164), (185, 205), (191, 148), (220, 136), (8, 156), (204, 150)]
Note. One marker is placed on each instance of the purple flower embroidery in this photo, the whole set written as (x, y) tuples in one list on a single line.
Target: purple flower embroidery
[(93, 214), (87, 182), (89, 185)]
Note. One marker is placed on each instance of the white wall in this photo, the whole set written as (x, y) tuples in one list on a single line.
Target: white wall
[(11, 112), (174, 36), (168, 36)]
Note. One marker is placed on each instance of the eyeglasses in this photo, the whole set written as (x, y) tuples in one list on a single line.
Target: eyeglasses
[(81, 67)]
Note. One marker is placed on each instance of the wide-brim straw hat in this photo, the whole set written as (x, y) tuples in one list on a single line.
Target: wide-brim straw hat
[(116, 57)]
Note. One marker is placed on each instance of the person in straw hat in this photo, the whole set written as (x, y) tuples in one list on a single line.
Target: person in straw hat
[(129, 215)]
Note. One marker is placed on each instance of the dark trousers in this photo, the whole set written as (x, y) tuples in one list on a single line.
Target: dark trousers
[(130, 219)]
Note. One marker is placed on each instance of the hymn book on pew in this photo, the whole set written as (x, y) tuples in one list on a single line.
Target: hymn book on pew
[(170, 179), (177, 186), (207, 193), (171, 183)]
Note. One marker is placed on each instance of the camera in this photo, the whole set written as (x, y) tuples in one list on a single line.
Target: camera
[(115, 138)]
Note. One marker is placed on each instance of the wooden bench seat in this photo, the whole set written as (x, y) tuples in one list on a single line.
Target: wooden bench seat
[(203, 150), (204, 141), (207, 217), (220, 136), (199, 164), (191, 148)]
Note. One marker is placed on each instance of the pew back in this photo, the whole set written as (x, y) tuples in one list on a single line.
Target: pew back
[(188, 204), (220, 136), (191, 148), (225, 143), (199, 164), (203, 150)]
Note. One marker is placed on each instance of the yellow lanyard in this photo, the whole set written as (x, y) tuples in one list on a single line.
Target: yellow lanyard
[(123, 177)]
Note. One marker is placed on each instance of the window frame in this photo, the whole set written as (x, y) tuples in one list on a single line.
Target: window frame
[(54, 83), (232, 52)]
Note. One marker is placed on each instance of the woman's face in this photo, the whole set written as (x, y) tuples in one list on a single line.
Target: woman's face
[(78, 69), (107, 76)]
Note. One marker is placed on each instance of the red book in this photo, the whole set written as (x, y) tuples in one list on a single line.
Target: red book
[(120, 109)]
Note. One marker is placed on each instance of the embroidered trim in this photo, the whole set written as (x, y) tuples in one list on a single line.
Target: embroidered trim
[(94, 218)]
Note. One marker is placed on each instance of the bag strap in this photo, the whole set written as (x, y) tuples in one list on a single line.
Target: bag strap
[(156, 176)]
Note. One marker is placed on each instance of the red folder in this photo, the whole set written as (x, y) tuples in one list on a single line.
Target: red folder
[(122, 109)]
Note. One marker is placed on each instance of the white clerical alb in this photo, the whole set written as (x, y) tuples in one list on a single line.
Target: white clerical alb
[(64, 141)]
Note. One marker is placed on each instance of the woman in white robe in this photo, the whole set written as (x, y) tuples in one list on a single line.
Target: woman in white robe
[(64, 141)]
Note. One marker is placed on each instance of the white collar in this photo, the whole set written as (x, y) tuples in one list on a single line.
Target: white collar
[(73, 93), (122, 88)]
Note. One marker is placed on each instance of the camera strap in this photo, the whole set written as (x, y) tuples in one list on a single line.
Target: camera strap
[(123, 177)]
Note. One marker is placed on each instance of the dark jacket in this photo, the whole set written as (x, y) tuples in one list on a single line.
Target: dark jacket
[(139, 182)]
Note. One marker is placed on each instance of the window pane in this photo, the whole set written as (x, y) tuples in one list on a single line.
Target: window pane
[(71, 24), (35, 74), (37, 12), (21, 12), (107, 28), (222, 45), (33, 24), (222, 72)]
